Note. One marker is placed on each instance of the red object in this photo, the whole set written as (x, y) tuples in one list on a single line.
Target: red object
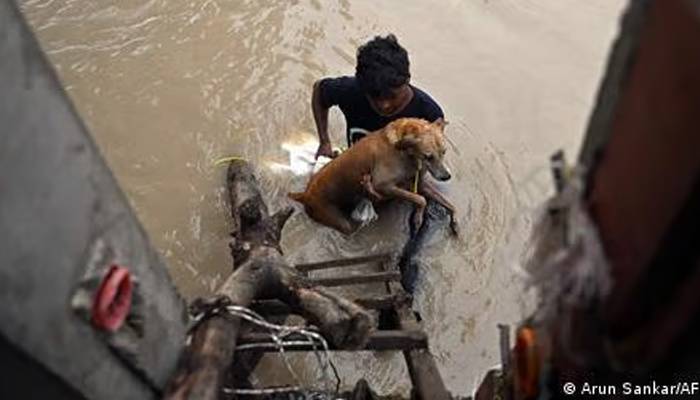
[(527, 363), (113, 299)]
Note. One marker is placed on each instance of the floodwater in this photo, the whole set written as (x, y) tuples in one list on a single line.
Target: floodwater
[(168, 87)]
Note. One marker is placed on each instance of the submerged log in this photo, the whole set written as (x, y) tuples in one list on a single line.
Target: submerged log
[(260, 272)]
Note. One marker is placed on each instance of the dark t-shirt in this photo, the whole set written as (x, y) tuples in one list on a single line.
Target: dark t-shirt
[(360, 117)]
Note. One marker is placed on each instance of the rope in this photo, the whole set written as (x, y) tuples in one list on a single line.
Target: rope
[(277, 334), (414, 189), (225, 160)]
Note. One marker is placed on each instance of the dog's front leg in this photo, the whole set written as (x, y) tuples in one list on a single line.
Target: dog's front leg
[(431, 192), (418, 200)]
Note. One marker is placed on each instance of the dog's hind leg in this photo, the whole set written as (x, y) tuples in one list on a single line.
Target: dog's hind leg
[(332, 217)]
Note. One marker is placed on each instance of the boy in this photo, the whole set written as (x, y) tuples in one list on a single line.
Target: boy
[(379, 93)]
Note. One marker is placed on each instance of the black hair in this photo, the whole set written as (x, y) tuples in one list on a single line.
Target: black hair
[(382, 65)]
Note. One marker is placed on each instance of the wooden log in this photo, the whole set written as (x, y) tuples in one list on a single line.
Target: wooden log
[(378, 340), (260, 271), (357, 279), (342, 262), (422, 368)]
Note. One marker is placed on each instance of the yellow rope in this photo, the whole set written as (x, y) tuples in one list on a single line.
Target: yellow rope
[(415, 180), (224, 160)]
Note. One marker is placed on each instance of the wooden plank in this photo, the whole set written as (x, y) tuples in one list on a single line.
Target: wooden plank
[(356, 279), (491, 387), (276, 307), (422, 368), (382, 302), (378, 341), (425, 375), (342, 262), (504, 336)]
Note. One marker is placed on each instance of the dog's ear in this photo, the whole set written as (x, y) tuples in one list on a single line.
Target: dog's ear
[(406, 142), (392, 134), (441, 123), (402, 133)]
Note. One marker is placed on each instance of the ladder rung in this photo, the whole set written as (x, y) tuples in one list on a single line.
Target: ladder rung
[(342, 262), (378, 340), (357, 279)]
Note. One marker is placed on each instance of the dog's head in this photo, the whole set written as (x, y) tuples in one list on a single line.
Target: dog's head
[(422, 140)]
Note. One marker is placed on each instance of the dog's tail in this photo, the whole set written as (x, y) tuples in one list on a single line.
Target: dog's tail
[(297, 196)]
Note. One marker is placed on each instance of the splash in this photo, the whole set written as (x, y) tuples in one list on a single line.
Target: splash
[(301, 152)]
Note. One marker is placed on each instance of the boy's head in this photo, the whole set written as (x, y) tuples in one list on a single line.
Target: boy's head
[(383, 74)]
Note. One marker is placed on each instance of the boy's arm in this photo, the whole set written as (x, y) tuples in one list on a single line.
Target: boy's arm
[(321, 118)]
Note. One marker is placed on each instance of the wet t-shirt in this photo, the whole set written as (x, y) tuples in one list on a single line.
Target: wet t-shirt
[(360, 117)]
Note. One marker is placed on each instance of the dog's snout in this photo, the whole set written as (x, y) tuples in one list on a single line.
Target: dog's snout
[(439, 171), (440, 174)]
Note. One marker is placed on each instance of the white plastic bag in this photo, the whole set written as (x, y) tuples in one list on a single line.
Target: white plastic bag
[(364, 212), (320, 162)]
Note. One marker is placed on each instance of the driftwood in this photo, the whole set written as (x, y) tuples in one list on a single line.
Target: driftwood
[(260, 272)]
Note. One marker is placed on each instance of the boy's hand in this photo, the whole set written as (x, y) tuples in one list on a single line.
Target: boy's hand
[(324, 149), (366, 182)]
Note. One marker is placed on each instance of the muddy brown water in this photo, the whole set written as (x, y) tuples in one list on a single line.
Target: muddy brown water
[(168, 87)]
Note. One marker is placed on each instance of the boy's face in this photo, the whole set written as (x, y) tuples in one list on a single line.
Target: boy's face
[(392, 102)]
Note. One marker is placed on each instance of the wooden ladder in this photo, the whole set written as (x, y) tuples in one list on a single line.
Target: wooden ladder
[(402, 332)]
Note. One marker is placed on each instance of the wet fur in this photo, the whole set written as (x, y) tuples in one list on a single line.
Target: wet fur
[(385, 162)]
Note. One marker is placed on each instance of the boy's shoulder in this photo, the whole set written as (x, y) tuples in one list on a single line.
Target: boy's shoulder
[(423, 96), (427, 104), (339, 90), (344, 82)]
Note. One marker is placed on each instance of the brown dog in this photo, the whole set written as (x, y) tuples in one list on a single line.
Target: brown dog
[(382, 165)]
